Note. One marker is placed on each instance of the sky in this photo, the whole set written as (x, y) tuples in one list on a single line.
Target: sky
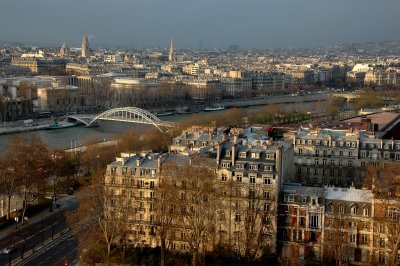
[(199, 23)]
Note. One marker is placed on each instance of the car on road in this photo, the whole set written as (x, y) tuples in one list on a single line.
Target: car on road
[(8, 250)]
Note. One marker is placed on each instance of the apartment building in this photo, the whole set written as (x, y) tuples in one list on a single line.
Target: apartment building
[(248, 169), (339, 157), (300, 222)]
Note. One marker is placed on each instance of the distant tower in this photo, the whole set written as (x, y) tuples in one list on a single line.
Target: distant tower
[(64, 50), (85, 46), (171, 51)]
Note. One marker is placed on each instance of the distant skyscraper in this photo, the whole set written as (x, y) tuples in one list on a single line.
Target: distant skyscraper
[(171, 51), (85, 46), (64, 50)]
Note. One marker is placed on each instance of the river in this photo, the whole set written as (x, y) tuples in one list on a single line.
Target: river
[(64, 138)]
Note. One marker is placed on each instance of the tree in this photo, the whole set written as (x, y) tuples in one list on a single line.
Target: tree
[(385, 184), (8, 181), (31, 161), (335, 244), (110, 209), (198, 206), (164, 216), (254, 221), (64, 166)]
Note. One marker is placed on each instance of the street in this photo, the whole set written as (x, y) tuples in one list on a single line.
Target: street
[(34, 234)]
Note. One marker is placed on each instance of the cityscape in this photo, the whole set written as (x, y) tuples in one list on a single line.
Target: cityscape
[(201, 140)]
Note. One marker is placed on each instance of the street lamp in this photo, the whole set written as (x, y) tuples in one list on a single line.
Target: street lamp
[(16, 222)]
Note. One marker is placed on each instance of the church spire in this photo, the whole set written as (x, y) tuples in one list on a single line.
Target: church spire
[(85, 46), (171, 51)]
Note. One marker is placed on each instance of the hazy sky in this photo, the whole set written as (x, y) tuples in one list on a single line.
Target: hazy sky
[(210, 23)]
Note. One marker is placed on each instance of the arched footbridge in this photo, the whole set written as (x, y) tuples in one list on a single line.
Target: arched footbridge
[(124, 114)]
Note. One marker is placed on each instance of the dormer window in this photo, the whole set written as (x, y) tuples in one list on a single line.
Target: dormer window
[(353, 210), (314, 201), (366, 212), (228, 153), (253, 167), (268, 167), (291, 198), (113, 170), (239, 165), (255, 155), (242, 154), (124, 170), (226, 165)]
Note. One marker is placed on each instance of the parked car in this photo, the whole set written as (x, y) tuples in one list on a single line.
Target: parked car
[(8, 250)]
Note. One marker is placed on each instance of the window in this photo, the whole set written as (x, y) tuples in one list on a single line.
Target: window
[(382, 257), (253, 167), (382, 242), (353, 210), (242, 154), (314, 221), (342, 209), (316, 161), (314, 201), (300, 151), (382, 228), (255, 155), (349, 163), (267, 181), (252, 193), (300, 235), (393, 214), (239, 177), (240, 166), (304, 200), (223, 177), (340, 163), (291, 198), (352, 238), (237, 205), (266, 194), (226, 165), (364, 239), (252, 180), (302, 222), (237, 217), (365, 225)]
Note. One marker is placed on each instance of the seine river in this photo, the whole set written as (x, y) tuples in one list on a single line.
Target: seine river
[(64, 138)]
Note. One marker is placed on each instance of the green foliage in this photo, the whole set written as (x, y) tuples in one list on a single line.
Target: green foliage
[(334, 105)]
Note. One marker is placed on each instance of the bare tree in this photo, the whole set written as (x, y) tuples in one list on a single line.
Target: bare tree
[(31, 162), (385, 180), (165, 217), (8, 181), (110, 209), (198, 209), (254, 218)]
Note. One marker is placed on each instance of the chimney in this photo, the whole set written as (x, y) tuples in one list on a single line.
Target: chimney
[(235, 139), (159, 162), (218, 152), (233, 154)]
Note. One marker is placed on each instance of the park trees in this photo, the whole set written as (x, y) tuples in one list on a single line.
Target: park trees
[(30, 161)]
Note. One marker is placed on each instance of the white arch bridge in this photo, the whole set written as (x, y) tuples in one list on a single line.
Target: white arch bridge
[(124, 114)]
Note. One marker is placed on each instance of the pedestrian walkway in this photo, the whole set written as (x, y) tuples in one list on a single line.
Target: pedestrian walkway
[(31, 220)]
